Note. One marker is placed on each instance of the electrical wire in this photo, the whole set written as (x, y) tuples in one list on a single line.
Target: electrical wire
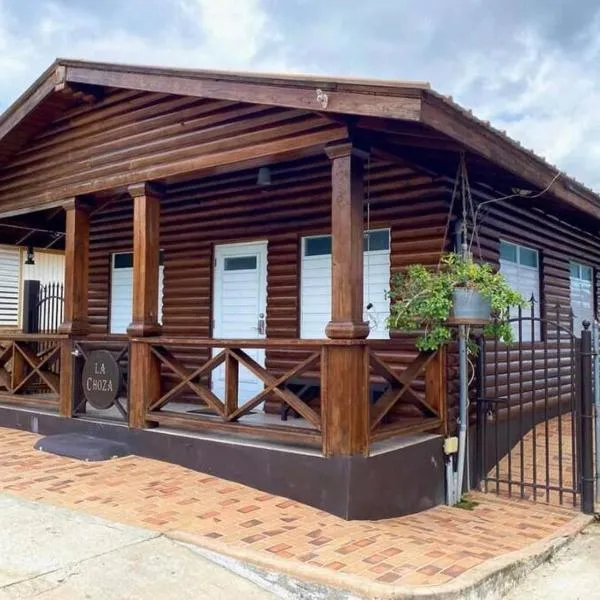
[(510, 197)]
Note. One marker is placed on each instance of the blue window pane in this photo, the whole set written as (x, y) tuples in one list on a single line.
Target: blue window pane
[(317, 246), (240, 263), (377, 240), (124, 260), (574, 270), (508, 252), (586, 273), (528, 257)]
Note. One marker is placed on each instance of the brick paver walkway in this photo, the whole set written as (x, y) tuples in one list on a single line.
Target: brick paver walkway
[(551, 463), (430, 548)]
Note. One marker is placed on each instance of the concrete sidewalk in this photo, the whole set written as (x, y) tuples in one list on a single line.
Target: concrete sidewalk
[(52, 553)]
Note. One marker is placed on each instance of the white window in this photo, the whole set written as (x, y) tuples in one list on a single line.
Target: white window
[(315, 293), (520, 267), (121, 291), (10, 285), (582, 294)]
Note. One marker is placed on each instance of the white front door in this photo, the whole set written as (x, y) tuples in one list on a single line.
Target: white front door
[(240, 307)]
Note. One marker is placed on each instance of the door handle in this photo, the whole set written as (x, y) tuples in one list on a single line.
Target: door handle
[(261, 324)]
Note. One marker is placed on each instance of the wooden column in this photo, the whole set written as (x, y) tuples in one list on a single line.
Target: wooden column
[(75, 320), (146, 256), (347, 215), (345, 367), (144, 367), (77, 244)]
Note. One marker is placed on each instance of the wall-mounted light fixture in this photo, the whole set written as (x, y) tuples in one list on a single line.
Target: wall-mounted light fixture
[(30, 260), (264, 177)]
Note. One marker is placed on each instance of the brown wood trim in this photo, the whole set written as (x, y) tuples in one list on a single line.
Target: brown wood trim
[(31, 337), (403, 427), (503, 151), (29, 401), (275, 433), (247, 343), (266, 90), (27, 103)]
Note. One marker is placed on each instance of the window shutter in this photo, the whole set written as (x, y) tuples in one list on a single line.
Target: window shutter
[(10, 286)]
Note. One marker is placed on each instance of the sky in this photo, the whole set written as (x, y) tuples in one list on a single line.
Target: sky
[(531, 67)]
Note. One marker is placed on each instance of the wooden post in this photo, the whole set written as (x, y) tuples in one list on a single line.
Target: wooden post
[(231, 384), (75, 321), (344, 400), (144, 382), (146, 257), (435, 386), (347, 210), (345, 368), (144, 367), (19, 367), (77, 242)]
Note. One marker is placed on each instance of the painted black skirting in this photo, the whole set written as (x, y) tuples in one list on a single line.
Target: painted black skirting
[(391, 483)]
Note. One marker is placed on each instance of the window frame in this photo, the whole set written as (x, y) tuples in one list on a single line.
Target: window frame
[(113, 267), (537, 325), (314, 257), (591, 281)]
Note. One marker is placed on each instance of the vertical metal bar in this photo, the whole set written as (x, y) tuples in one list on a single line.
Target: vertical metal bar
[(480, 463), (546, 425), (533, 394), (575, 382), (596, 367), (587, 425), (559, 363), (496, 422), (508, 417), (521, 424)]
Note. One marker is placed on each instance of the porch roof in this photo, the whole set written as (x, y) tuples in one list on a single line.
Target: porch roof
[(378, 104)]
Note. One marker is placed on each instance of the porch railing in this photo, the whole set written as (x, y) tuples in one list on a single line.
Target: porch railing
[(406, 391), (186, 366), (29, 369)]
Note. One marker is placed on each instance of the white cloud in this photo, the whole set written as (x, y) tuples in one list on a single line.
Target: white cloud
[(531, 68)]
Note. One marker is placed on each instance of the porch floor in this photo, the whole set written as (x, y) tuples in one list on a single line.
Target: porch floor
[(434, 547)]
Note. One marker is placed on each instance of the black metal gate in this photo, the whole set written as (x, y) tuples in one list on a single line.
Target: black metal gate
[(43, 306), (535, 412)]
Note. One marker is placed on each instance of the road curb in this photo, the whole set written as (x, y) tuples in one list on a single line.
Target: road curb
[(489, 581)]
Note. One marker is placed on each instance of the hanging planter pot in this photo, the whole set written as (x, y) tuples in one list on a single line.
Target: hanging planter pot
[(470, 307)]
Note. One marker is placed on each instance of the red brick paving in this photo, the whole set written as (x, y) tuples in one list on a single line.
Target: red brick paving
[(429, 548)]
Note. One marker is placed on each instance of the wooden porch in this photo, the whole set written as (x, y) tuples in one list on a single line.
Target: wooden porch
[(32, 370)]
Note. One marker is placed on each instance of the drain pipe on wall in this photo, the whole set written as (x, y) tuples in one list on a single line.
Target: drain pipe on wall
[(463, 417), (463, 372), (453, 445)]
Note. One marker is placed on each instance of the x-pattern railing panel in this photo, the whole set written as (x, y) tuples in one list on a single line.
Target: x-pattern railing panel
[(400, 386), (37, 364), (233, 359)]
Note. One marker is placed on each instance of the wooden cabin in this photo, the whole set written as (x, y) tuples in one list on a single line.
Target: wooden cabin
[(229, 240)]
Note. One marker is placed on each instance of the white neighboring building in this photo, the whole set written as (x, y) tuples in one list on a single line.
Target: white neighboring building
[(49, 267)]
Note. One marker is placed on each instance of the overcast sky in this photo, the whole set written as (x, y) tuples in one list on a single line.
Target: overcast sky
[(531, 67)]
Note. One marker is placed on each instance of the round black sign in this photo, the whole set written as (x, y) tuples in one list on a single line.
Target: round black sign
[(101, 379)]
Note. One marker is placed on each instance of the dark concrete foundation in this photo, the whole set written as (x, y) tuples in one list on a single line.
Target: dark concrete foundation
[(401, 477)]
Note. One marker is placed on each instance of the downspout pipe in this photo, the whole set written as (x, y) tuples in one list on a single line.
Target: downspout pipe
[(463, 417)]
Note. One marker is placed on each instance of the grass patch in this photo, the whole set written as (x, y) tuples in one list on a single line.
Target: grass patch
[(466, 504)]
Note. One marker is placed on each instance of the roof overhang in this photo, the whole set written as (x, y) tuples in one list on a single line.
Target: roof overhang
[(402, 101)]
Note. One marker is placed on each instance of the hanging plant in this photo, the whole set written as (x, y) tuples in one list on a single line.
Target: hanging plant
[(423, 299)]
